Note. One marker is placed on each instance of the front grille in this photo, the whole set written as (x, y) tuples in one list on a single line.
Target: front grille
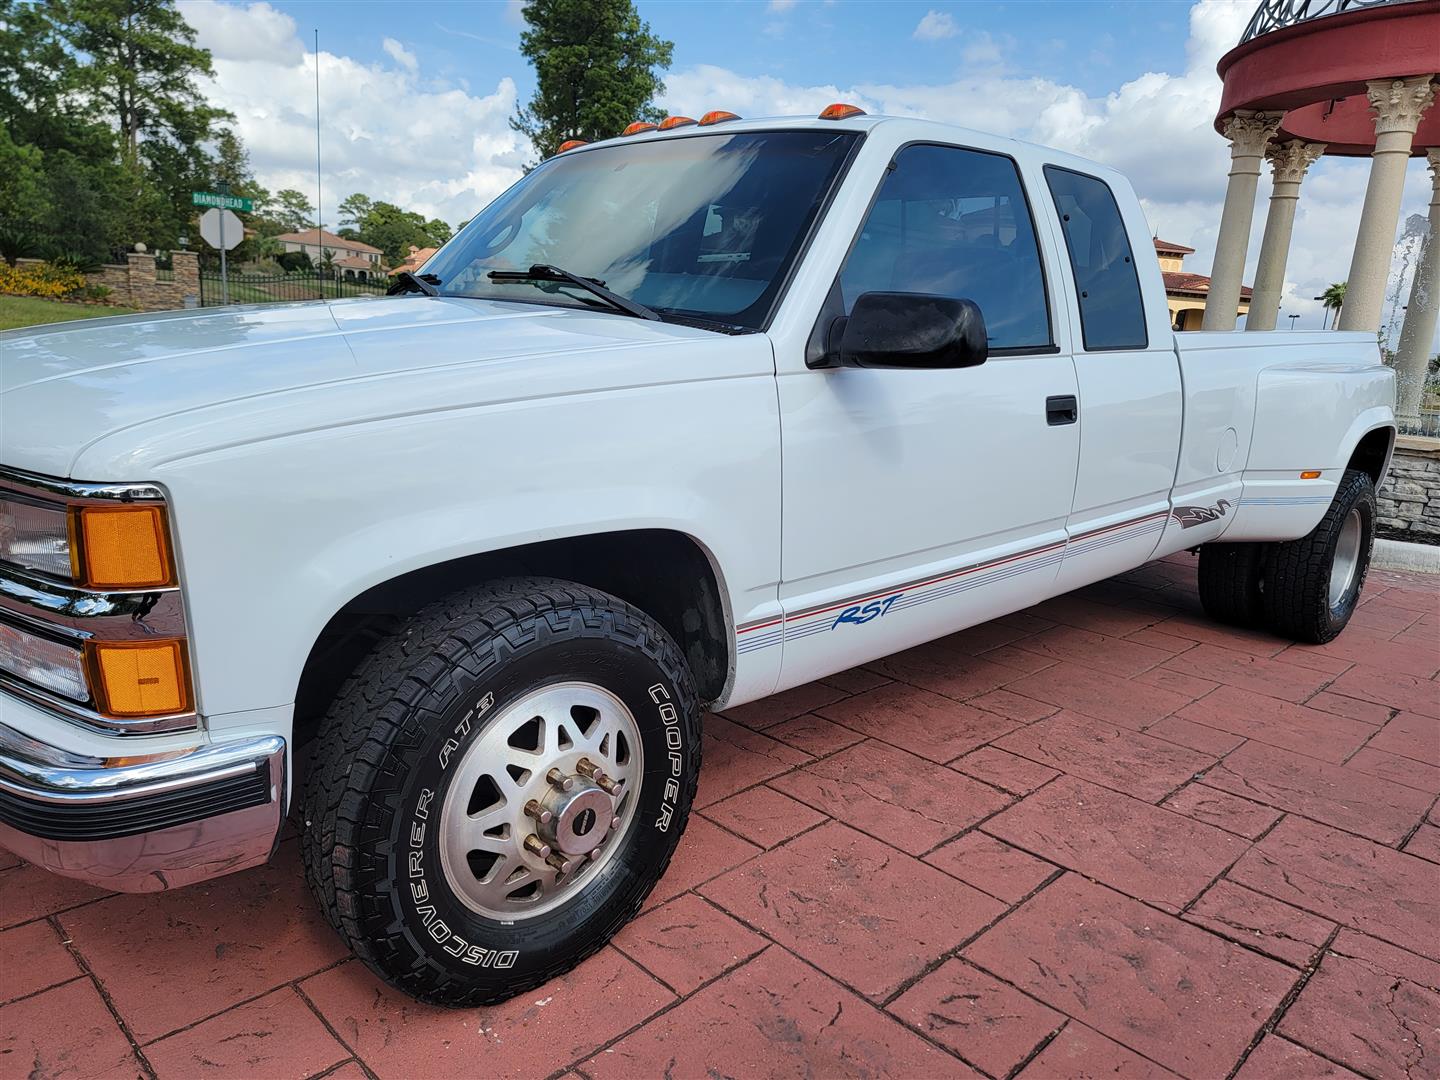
[(110, 821)]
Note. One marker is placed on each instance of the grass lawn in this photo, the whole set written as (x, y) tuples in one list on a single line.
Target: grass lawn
[(17, 311)]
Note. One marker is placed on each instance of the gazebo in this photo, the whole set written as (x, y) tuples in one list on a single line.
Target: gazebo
[(1353, 78)]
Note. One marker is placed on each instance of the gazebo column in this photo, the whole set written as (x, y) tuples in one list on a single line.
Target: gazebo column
[(1398, 105), (1418, 331), (1288, 162), (1248, 132)]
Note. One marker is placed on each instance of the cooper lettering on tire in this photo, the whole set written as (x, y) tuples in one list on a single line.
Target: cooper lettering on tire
[(498, 787)]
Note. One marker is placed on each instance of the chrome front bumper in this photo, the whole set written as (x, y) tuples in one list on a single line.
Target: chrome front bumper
[(146, 826)]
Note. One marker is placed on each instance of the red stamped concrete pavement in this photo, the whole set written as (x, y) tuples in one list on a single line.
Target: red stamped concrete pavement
[(1101, 838)]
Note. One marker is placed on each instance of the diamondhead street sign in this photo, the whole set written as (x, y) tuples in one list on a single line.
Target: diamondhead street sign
[(222, 202)]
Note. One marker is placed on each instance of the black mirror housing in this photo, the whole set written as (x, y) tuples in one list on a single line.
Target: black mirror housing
[(912, 330)]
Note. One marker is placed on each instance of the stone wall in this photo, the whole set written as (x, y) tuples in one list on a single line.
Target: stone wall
[(135, 285), (1410, 499)]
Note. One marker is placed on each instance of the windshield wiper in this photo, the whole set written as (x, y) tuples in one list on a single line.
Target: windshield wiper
[(546, 272), (405, 282)]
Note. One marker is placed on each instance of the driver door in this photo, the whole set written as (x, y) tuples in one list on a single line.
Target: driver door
[(917, 502)]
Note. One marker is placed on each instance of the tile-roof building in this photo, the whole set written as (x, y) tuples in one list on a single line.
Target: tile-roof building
[(1187, 293)]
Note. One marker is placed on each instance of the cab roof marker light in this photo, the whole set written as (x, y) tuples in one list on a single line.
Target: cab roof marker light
[(717, 116), (840, 111), (571, 144), (674, 122), (637, 127)]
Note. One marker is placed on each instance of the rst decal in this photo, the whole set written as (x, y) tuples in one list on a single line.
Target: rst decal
[(863, 613)]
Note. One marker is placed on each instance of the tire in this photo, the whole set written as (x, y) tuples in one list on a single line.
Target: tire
[(1299, 601), (1229, 580), (410, 771)]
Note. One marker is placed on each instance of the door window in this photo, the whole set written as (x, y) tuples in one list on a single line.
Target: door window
[(953, 222), (1112, 314)]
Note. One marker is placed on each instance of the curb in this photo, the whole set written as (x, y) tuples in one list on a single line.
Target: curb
[(1398, 555)]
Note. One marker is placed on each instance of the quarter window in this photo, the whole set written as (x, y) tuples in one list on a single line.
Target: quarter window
[(1112, 314), (953, 222)]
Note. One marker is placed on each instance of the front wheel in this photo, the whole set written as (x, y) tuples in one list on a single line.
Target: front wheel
[(1313, 584), (499, 787)]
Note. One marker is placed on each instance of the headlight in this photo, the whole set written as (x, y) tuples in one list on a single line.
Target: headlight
[(35, 537), (46, 663)]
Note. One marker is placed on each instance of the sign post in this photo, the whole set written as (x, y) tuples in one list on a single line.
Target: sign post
[(222, 221), (222, 229)]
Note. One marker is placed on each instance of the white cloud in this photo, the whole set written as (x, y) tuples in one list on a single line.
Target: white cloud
[(777, 6), (401, 55), (447, 151), (515, 12), (256, 33), (440, 150), (1157, 128), (935, 25)]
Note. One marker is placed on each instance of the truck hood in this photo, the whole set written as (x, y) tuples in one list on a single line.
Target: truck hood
[(72, 386)]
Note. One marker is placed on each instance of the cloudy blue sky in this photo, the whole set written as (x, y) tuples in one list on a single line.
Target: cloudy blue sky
[(416, 96)]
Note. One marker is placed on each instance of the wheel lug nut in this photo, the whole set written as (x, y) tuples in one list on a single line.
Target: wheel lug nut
[(561, 863), (587, 768), (607, 785), (614, 823), (536, 846), (539, 813), (560, 780)]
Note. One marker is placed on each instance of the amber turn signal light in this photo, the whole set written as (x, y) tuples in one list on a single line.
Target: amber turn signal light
[(840, 111), (138, 678), (122, 547), (717, 116), (674, 122), (570, 144), (1310, 474)]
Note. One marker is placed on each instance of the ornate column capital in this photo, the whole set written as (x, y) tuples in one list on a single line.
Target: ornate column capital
[(1433, 157), (1289, 160), (1249, 131), (1399, 103)]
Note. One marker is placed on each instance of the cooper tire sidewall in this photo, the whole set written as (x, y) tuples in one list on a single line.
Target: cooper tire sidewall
[(422, 904)]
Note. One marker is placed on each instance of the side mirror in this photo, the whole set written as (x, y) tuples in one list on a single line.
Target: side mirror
[(911, 330)]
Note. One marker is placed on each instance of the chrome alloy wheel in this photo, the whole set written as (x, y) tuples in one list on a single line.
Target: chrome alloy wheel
[(1346, 563), (540, 800)]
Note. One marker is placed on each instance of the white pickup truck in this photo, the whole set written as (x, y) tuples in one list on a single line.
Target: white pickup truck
[(682, 419)]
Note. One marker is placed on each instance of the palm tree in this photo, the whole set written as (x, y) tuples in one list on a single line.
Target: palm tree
[(1334, 298)]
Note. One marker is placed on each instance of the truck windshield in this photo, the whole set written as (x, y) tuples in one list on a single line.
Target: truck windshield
[(704, 226)]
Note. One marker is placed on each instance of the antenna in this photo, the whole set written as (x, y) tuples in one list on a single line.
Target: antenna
[(319, 192)]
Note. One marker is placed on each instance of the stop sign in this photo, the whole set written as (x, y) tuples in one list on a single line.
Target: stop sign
[(221, 229)]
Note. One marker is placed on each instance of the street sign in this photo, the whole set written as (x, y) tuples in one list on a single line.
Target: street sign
[(223, 202), (221, 229)]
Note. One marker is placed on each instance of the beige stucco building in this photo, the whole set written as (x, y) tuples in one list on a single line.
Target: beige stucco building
[(1185, 293)]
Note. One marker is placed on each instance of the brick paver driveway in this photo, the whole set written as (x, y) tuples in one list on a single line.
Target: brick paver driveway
[(1103, 837)]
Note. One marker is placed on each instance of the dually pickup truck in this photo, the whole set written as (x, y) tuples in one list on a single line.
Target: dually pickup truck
[(682, 419)]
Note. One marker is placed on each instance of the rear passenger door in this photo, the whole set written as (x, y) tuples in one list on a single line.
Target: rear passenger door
[(1129, 379)]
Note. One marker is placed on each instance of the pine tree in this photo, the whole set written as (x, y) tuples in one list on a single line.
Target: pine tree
[(596, 67)]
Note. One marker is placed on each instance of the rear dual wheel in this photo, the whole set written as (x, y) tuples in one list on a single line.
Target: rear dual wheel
[(499, 786), (1304, 589)]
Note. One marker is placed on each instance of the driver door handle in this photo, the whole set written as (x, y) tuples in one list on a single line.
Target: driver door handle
[(1062, 409)]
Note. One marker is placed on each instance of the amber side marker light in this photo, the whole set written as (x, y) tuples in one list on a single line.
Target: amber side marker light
[(717, 116), (1310, 474), (840, 111), (674, 122), (571, 144), (138, 678), (637, 127), (121, 547)]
